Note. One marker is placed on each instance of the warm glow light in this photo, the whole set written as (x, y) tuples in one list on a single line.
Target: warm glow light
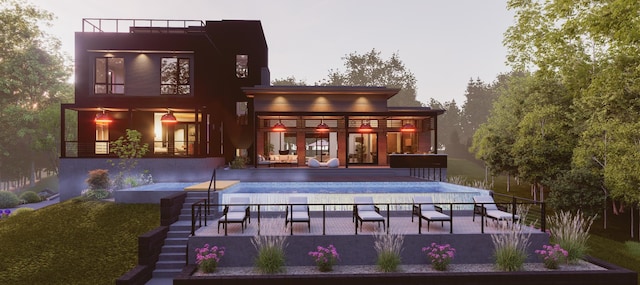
[(365, 128), (408, 128), (322, 127), (102, 118), (279, 127), (168, 118)]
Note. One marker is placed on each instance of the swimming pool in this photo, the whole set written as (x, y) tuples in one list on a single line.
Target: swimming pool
[(344, 192)]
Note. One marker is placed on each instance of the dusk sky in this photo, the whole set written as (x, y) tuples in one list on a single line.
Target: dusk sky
[(444, 43)]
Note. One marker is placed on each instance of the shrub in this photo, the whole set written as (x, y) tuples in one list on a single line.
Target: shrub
[(8, 199), (208, 257), (239, 162), (98, 179), (571, 232), (325, 257), (439, 255), (511, 244), (388, 246), (4, 213), (95, 194), (552, 256), (30, 197), (270, 257), (21, 211)]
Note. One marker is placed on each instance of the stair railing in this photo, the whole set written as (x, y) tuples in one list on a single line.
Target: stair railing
[(196, 215), (212, 181)]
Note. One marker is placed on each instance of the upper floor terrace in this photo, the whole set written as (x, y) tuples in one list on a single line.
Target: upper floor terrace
[(112, 25)]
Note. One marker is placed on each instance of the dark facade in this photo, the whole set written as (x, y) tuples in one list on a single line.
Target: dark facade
[(193, 70)]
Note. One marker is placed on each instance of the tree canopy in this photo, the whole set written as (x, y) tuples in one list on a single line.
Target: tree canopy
[(369, 69), (578, 108), (33, 82)]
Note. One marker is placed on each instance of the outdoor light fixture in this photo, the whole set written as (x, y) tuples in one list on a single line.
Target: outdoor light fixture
[(103, 118), (279, 127), (168, 118), (408, 128), (365, 127), (322, 127)]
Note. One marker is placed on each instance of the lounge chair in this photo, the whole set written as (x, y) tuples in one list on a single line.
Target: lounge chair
[(486, 206), (365, 211), (424, 208), (331, 163), (237, 211), (298, 212)]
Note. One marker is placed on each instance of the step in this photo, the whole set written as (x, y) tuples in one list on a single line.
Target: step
[(174, 249), (166, 273), (170, 264), (173, 256), (176, 241), (178, 234)]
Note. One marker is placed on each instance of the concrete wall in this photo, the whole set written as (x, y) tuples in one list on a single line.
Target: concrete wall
[(359, 250), (74, 171)]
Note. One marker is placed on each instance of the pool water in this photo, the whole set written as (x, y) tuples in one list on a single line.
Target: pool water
[(344, 193)]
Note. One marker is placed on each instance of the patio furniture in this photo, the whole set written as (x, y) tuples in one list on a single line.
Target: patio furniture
[(298, 212), (485, 206), (365, 211), (331, 163), (237, 211), (424, 208)]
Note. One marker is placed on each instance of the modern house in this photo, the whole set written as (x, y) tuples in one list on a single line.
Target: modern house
[(199, 93)]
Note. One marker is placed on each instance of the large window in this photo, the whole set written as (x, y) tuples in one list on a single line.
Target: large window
[(174, 76), (242, 66), (109, 75), (102, 138)]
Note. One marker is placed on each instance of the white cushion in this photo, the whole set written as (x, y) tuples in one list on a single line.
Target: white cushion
[(313, 162), (435, 216), (426, 203), (486, 199), (501, 215), (233, 217), (370, 216), (298, 216), (364, 200), (334, 162)]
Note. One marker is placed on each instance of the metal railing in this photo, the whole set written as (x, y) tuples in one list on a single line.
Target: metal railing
[(113, 25), (515, 204)]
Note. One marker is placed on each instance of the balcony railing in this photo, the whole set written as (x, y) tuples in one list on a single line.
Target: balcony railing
[(98, 25)]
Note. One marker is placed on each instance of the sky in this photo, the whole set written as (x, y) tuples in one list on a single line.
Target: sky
[(443, 43)]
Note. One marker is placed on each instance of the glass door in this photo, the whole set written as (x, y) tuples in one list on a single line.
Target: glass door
[(363, 148)]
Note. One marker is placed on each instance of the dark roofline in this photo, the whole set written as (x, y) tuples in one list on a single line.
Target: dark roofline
[(324, 90)]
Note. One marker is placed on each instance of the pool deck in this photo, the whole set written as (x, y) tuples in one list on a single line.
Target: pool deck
[(342, 224)]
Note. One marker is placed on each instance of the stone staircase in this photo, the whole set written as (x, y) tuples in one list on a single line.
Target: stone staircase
[(174, 252)]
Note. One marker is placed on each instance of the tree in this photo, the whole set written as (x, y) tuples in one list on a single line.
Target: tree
[(592, 48), (289, 81), (578, 190), (494, 140), (33, 77), (128, 148), (449, 125), (480, 97), (370, 69)]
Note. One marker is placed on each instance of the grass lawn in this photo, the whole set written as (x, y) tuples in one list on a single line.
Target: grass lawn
[(73, 242)]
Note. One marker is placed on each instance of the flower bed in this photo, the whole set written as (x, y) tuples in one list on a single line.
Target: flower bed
[(587, 272)]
